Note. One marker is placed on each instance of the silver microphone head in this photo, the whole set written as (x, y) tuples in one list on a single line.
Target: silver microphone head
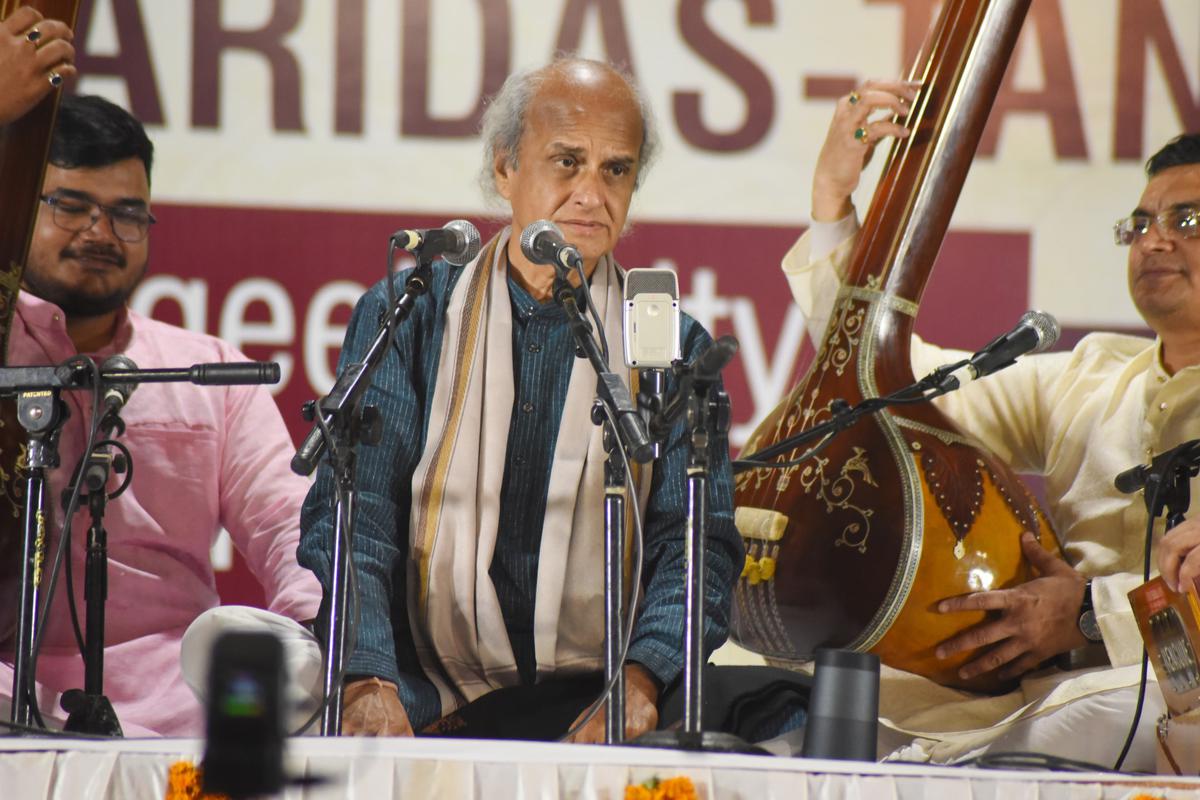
[(533, 231), (466, 254), (1045, 325)]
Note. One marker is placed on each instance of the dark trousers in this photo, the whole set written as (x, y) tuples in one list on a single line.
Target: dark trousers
[(754, 703)]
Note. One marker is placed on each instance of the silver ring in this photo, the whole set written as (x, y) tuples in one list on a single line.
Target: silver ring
[(55, 79), (33, 35)]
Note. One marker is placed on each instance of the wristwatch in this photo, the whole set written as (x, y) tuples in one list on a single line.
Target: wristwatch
[(1087, 616)]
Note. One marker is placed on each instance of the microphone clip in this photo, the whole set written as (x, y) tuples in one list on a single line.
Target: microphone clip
[(1165, 482), (697, 393)]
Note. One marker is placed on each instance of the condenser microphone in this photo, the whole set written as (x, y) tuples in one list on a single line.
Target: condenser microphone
[(457, 242), (1036, 331), (542, 243), (650, 318), (650, 323)]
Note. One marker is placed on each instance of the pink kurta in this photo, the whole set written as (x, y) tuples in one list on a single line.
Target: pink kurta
[(204, 457)]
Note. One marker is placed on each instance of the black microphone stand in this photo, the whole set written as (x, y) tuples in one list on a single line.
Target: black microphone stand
[(342, 423), (89, 710), (41, 412), (613, 404), (708, 421)]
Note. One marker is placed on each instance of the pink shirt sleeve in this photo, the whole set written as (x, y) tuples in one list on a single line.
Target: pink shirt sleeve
[(260, 500)]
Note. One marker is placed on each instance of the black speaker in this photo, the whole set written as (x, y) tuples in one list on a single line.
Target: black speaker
[(243, 751), (843, 711)]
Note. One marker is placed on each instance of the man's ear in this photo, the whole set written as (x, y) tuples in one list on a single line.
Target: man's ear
[(502, 170)]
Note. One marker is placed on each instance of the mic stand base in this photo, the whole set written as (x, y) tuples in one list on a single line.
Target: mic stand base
[(90, 713), (699, 742)]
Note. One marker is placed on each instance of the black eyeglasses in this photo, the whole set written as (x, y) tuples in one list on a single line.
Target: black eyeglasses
[(79, 214), (1181, 222)]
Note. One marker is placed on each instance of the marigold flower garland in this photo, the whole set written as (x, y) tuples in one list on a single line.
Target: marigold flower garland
[(680, 788), (184, 782)]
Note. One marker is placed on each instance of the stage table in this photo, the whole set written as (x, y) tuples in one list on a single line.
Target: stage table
[(443, 768)]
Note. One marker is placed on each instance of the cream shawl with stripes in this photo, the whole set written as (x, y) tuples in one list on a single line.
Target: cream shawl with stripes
[(453, 607)]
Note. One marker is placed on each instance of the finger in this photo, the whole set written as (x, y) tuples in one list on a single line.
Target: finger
[(872, 133), (66, 70), (1189, 572), (882, 129), (53, 29), (976, 601), (992, 660), (1168, 567), (1172, 551), (57, 52), (589, 733), (871, 101), (897, 86), (857, 106), (592, 733), (1019, 667), (1045, 562), (21, 20), (974, 638)]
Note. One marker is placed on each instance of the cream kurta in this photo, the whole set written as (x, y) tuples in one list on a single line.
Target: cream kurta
[(1078, 418)]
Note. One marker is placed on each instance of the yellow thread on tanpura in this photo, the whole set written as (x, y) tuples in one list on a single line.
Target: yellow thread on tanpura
[(758, 570)]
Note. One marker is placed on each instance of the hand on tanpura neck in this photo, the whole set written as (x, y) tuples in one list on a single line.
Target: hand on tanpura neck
[(851, 141)]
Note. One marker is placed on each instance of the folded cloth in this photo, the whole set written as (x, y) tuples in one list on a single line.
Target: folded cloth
[(753, 703)]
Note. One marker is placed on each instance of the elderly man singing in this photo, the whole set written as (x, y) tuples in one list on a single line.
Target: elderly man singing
[(479, 537)]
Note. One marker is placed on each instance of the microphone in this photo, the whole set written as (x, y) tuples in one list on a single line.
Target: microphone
[(1135, 478), (542, 243), (1036, 331), (704, 370), (235, 373), (650, 323), (116, 392), (457, 242), (651, 318), (708, 365)]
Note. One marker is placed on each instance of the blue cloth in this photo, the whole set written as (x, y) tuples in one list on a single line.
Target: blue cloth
[(543, 356)]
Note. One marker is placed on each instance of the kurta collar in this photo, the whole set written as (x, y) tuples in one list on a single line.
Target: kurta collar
[(48, 318)]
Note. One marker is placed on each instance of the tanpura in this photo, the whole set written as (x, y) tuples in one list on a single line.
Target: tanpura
[(853, 548)]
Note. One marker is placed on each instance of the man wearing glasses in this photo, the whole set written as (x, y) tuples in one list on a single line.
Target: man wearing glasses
[(1078, 418), (204, 457)]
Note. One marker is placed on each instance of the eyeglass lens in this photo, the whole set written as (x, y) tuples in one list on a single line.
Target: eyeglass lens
[(72, 214), (1174, 223)]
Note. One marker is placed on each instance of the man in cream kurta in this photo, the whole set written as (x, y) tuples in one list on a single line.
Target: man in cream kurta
[(1078, 418)]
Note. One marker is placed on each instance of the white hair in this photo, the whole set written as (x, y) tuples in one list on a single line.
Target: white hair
[(504, 119)]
